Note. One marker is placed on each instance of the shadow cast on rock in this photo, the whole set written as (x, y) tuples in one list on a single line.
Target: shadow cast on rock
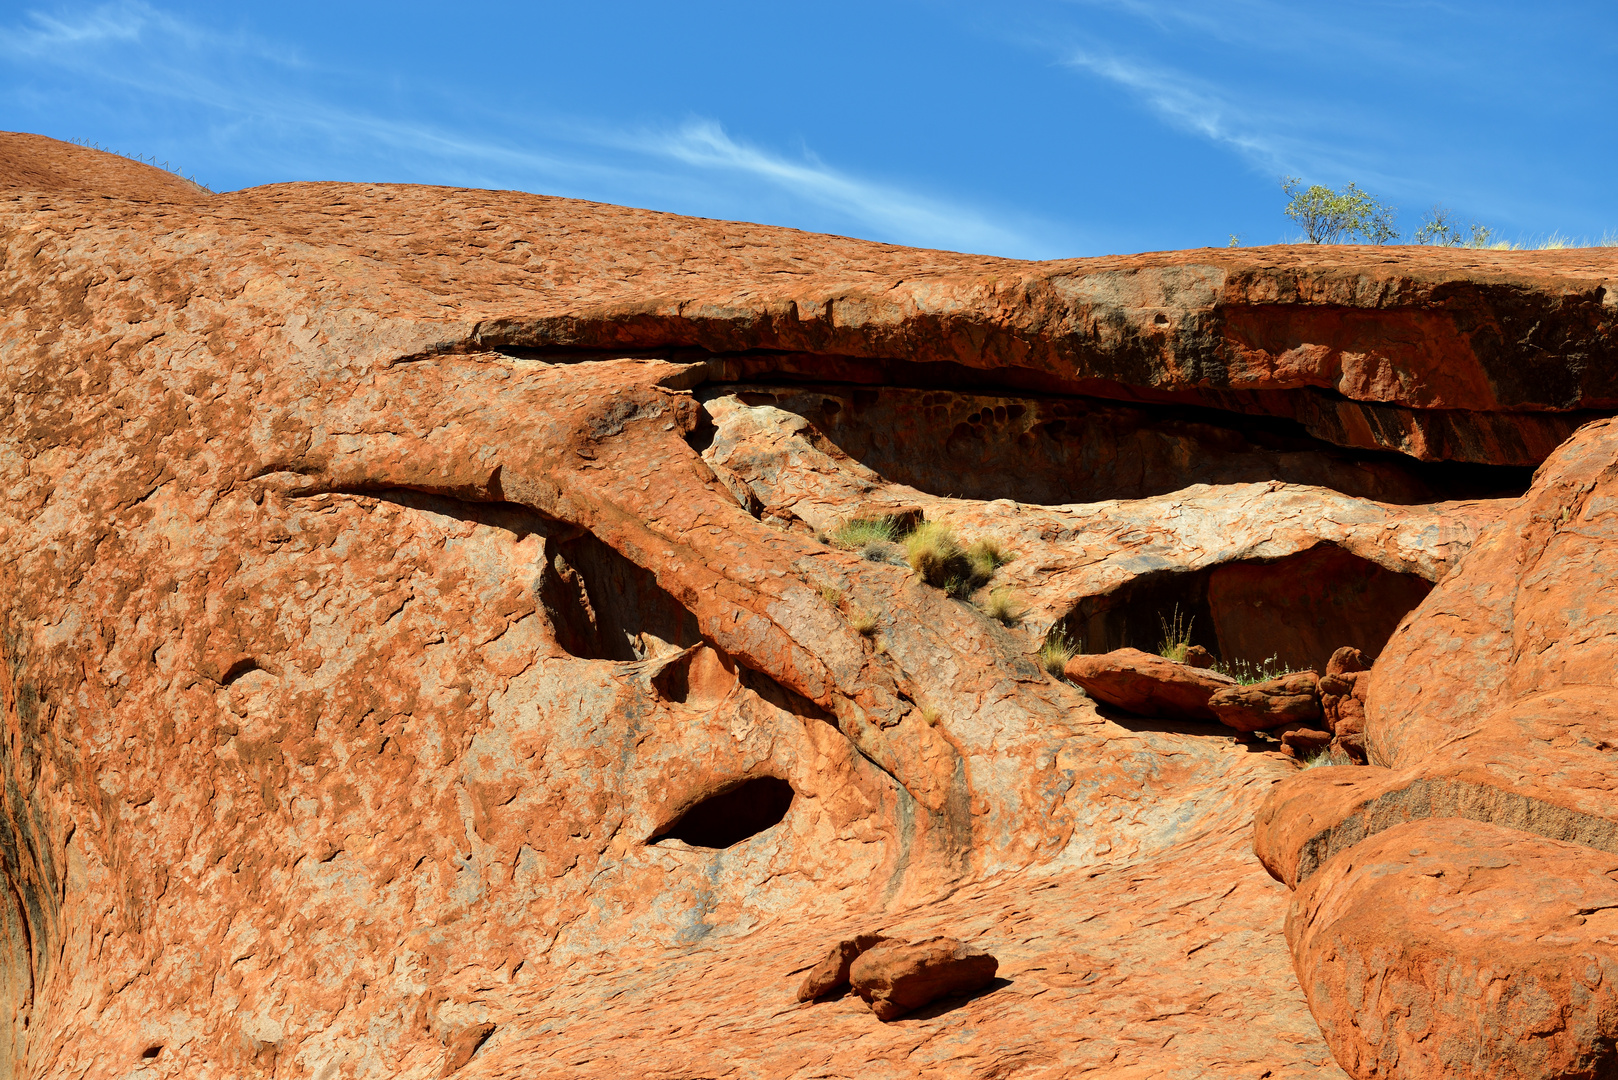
[(950, 1004), (1143, 724)]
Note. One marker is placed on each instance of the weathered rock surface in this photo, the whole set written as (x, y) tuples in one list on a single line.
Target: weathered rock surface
[(1259, 570), (1288, 700), (1461, 949), (1148, 685), (419, 660), (899, 977), (1449, 903)]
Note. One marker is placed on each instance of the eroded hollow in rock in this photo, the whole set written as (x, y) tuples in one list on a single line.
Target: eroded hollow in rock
[(1064, 449), (601, 606), (731, 815), (1297, 609)]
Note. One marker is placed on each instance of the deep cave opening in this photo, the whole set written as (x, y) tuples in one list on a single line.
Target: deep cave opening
[(1057, 449), (733, 814), (1298, 609)]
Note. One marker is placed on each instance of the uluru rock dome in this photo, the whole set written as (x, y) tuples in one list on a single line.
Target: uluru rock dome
[(433, 644)]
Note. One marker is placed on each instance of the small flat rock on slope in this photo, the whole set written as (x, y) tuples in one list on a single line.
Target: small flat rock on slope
[(831, 974), (901, 977), (1148, 684)]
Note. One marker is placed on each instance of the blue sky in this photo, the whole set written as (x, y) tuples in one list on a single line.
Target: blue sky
[(1021, 128)]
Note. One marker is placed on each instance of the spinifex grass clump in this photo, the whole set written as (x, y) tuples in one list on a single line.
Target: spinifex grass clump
[(986, 556), (1003, 607), (1057, 651), (933, 552), (858, 533), (1176, 635), (863, 621)]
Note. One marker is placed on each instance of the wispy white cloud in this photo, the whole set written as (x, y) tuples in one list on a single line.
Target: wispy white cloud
[(259, 90), (1189, 103), (1296, 136), (704, 144)]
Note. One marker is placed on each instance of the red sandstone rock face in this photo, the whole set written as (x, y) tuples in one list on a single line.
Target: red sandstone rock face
[(1448, 915), (389, 693), (1459, 949)]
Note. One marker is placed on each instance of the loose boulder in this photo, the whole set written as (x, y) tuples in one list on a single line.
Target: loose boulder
[(1346, 660), (1291, 700), (1342, 700), (1303, 742), (1198, 657), (1147, 684), (898, 977), (831, 974)]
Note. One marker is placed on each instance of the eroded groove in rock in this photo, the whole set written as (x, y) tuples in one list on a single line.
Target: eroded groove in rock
[(1296, 610), (31, 852), (604, 607)]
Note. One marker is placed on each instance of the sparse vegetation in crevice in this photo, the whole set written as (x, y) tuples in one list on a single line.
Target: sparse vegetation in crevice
[(935, 552), (1176, 644), (1248, 673), (858, 534), (1057, 651), (986, 556), (1176, 635), (864, 622), (1326, 757), (1003, 607), (831, 594)]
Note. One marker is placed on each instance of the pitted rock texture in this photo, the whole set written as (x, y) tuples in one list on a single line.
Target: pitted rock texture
[(420, 659)]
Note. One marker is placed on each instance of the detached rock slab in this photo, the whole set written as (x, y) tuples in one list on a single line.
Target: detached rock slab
[(831, 974), (1147, 684), (898, 977), (1290, 701)]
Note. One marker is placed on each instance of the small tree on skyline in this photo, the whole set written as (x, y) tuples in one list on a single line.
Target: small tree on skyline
[(1441, 229), (1331, 217)]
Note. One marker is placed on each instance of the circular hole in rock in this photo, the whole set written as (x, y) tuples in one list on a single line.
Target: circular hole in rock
[(728, 817)]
